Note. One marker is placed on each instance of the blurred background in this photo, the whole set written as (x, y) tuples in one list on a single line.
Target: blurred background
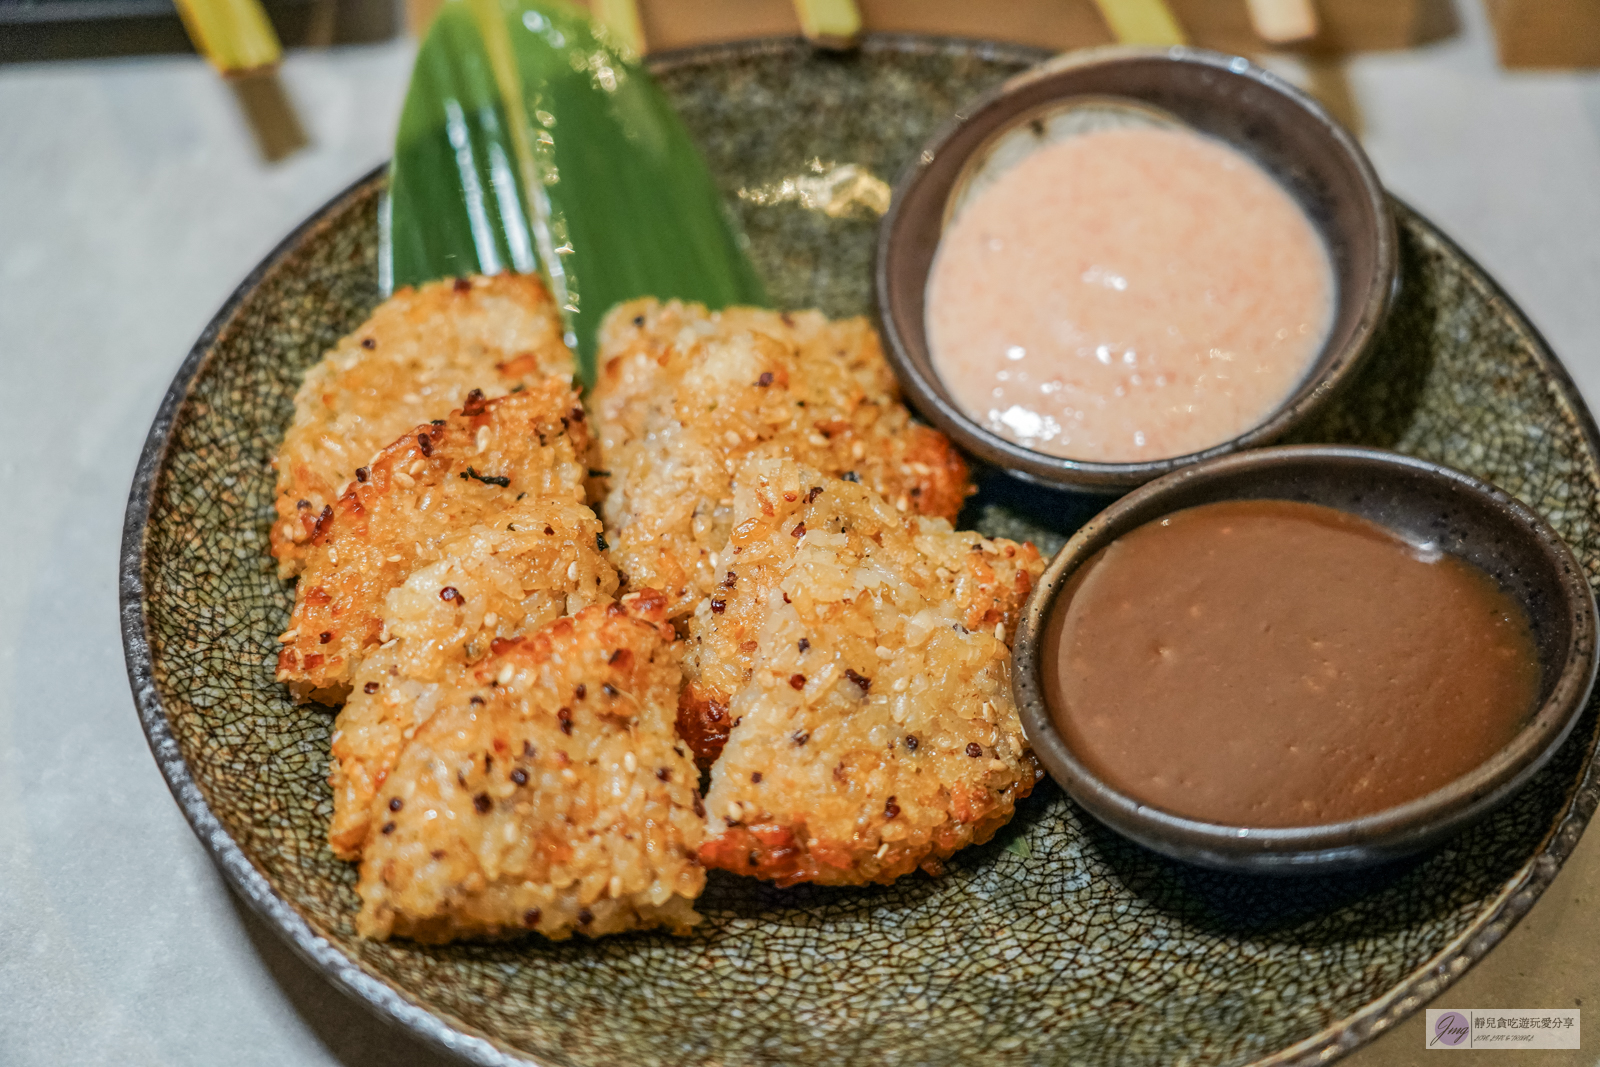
[(138, 186)]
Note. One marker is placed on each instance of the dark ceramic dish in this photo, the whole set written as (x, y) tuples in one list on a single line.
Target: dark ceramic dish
[(1424, 503), (1057, 943), (1284, 130)]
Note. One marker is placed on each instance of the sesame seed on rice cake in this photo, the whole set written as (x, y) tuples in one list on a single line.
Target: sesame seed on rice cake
[(547, 793), (426, 489), (415, 359), (684, 395), (536, 562), (873, 729), (987, 581)]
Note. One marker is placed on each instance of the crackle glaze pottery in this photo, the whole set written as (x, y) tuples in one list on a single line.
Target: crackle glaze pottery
[(1058, 942)]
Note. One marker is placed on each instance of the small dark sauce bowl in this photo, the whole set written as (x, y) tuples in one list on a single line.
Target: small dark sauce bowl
[(1423, 502), (1283, 130)]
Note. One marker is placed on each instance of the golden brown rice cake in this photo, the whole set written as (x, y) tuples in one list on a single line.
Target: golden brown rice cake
[(873, 728), (414, 360), (537, 561), (685, 395), (547, 793), (988, 579), (437, 482)]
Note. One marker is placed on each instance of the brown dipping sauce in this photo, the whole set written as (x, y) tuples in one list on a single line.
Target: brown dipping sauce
[(1267, 663)]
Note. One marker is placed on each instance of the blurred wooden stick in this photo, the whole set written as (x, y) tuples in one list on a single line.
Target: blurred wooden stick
[(1344, 26), (1282, 21), (235, 35), (1149, 22), (830, 23), (271, 116), (620, 20)]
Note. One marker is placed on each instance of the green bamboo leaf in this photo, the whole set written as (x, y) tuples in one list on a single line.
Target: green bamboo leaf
[(528, 142)]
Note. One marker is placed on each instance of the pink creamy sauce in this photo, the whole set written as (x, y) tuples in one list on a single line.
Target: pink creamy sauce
[(1128, 294)]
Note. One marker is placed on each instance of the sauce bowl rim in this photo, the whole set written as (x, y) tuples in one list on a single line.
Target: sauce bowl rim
[(999, 110), (1362, 841)]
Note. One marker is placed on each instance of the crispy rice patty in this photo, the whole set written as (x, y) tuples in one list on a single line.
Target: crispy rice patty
[(875, 730), (415, 359), (685, 395), (547, 793), (537, 561), (437, 481), (985, 581)]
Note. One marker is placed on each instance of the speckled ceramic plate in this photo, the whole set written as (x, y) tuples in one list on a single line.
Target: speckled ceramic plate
[(1058, 943)]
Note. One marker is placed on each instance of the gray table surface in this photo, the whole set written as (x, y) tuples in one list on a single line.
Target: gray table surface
[(132, 201)]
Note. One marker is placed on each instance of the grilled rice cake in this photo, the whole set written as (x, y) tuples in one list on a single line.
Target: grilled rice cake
[(873, 729), (685, 395), (548, 793), (986, 582), (536, 562), (414, 360), (438, 480)]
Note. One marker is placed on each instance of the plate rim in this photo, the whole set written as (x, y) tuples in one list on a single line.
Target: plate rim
[(455, 1037)]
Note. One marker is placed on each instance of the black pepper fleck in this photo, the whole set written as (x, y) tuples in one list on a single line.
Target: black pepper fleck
[(488, 479)]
